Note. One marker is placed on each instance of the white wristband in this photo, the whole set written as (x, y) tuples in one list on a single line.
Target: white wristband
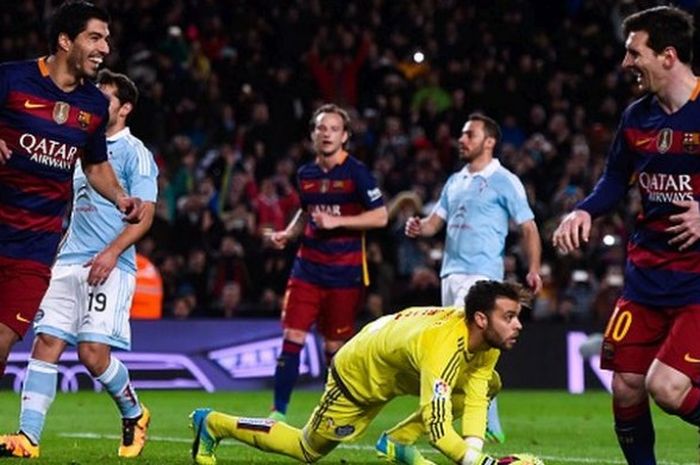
[(471, 456), (474, 442)]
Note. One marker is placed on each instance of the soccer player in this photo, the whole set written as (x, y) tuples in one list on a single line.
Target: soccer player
[(340, 200), (423, 351), (477, 204), (651, 341), (50, 116), (92, 284)]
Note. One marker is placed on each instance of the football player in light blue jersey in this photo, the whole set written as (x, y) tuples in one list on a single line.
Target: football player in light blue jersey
[(92, 285), (477, 203)]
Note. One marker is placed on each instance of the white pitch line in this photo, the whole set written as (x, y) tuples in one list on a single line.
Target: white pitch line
[(361, 447)]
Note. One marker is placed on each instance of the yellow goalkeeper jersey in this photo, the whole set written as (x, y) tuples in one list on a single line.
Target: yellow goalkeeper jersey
[(421, 351)]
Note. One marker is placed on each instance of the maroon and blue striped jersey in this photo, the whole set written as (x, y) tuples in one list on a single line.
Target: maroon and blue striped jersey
[(47, 130), (659, 154), (335, 258)]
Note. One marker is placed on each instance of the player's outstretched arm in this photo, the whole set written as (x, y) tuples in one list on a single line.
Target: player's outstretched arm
[(575, 227), (370, 219), (101, 176)]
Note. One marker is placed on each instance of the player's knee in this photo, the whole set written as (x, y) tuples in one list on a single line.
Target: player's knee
[(667, 393), (316, 446), (47, 348), (628, 389), (95, 357)]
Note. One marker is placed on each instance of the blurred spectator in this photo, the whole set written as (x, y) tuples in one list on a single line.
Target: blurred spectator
[(225, 101)]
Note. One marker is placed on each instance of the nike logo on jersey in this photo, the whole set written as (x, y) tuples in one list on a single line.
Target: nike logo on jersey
[(645, 141), (690, 359), (31, 106), (24, 320)]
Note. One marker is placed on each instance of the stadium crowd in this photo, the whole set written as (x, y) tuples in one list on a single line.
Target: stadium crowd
[(227, 89)]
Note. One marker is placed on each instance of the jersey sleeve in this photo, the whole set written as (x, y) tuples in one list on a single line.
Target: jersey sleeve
[(516, 200), (142, 174), (442, 206), (367, 188), (439, 369), (615, 181), (96, 146), (475, 385)]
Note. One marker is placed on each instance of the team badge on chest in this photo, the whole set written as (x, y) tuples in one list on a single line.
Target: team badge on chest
[(664, 140), (61, 110), (691, 142)]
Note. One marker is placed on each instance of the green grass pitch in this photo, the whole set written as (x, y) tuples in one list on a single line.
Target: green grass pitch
[(563, 429)]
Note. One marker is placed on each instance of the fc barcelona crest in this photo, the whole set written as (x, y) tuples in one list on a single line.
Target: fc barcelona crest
[(691, 142), (60, 112), (84, 119)]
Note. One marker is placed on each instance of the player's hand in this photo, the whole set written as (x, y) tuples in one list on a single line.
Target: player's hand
[(101, 265), (277, 239), (325, 221), (534, 280), (5, 152), (413, 227), (132, 207), (575, 226), (686, 230)]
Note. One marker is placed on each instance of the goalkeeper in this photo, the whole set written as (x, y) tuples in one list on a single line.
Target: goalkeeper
[(425, 351)]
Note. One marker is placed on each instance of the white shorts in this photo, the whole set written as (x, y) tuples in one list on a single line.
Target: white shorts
[(74, 311), (455, 287)]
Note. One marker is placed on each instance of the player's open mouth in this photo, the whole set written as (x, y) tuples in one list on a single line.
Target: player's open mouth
[(96, 60)]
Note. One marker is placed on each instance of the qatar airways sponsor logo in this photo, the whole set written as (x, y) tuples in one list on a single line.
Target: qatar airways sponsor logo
[(662, 187), (49, 152)]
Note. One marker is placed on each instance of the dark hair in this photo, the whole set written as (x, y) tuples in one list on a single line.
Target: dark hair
[(126, 89), (667, 26), (483, 294), (71, 18), (491, 127), (331, 108)]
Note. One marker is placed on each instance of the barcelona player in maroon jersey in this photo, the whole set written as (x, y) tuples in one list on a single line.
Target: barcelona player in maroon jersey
[(50, 115), (340, 200), (651, 342)]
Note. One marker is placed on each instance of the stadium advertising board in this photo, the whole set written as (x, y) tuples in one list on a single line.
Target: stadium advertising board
[(241, 354)]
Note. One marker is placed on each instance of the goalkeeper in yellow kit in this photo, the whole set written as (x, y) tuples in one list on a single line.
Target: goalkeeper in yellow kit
[(445, 355)]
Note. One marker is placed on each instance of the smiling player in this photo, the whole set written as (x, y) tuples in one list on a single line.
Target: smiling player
[(651, 342), (51, 115)]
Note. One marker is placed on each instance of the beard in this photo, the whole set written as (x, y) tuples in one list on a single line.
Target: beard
[(494, 340), (471, 155)]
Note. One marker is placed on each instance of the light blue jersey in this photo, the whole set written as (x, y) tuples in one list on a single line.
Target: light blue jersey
[(95, 221), (477, 208)]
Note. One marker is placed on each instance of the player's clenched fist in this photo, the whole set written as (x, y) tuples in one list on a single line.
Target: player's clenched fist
[(413, 227), (575, 226)]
